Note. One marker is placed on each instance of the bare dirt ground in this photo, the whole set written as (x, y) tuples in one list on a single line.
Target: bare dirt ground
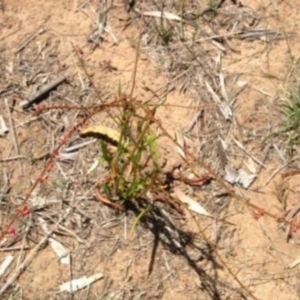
[(167, 257)]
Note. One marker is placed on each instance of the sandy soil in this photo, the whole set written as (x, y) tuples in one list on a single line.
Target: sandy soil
[(255, 250)]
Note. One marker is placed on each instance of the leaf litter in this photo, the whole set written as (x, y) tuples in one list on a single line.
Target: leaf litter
[(215, 86)]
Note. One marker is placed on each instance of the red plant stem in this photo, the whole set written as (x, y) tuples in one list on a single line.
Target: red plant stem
[(230, 191), (55, 152)]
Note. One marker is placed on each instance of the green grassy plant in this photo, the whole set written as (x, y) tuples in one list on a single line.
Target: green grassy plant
[(291, 123)]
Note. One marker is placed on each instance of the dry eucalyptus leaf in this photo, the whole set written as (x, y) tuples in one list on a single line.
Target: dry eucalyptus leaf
[(5, 264), (61, 251), (106, 134), (239, 176), (192, 204), (181, 142), (159, 14), (80, 283), (3, 128)]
